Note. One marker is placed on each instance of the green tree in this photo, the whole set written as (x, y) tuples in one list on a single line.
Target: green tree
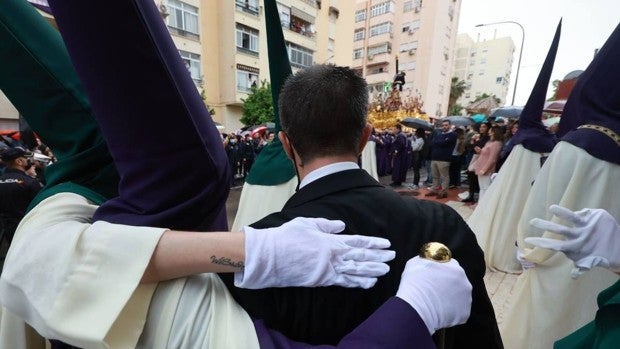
[(455, 109), (457, 88), (485, 95), (556, 85), (203, 96), (258, 107)]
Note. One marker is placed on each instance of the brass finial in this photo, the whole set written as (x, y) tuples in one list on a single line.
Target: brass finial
[(435, 251)]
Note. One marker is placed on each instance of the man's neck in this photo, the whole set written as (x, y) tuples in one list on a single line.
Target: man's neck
[(323, 161)]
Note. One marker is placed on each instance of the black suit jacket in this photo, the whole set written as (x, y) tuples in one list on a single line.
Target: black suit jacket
[(326, 314)]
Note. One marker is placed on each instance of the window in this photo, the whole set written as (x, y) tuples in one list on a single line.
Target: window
[(413, 45), (246, 80), (192, 63), (381, 8), (483, 61), (407, 66), (499, 80), (467, 95), (299, 56), (285, 15), (473, 54), (378, 70), (183, 19), (408, 6), (384, 48), (247, 39), (382, 28), (358, 34), (360, 15), (472, 62), (331, 45), (249, 6), (481, 72), (440, 90), (358, 53), (469, 76)]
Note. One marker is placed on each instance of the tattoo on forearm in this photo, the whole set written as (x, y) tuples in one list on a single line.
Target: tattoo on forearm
[(227, 261)]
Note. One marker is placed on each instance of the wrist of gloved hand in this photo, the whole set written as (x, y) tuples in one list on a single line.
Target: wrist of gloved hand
[(439, 292), (281, 256)]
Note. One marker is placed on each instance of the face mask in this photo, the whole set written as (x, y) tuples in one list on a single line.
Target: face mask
[(233, 141)]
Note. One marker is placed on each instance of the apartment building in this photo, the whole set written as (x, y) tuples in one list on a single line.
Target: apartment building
[(485, 66), (234, 46), (414, 36)]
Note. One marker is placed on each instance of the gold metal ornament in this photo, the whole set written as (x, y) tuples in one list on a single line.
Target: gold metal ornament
[(435, 251)]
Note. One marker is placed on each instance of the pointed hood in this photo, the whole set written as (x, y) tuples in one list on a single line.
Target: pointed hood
[(591, 117), (532, 133), (38, 78), (157, 127), (272, 166)]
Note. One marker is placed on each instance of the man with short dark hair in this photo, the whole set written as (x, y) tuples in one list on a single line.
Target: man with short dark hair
[(323, 111), (442, 146), (17, 188)]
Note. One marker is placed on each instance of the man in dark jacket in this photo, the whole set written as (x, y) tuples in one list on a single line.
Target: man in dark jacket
[(441, 149), (323, 110), (17, 188)]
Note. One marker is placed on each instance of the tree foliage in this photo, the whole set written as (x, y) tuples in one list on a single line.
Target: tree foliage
[(485, 95), (556, 86), (455, 109), (457, 88), (258, 107)]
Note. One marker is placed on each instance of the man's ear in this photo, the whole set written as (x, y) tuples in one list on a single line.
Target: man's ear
[(364, 139), (286, 145)]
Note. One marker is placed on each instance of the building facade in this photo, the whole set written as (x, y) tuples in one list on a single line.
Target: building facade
[(234, 46), (414, 36), (485, 66)]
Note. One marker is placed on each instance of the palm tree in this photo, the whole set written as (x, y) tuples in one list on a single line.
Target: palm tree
[(457, 88)]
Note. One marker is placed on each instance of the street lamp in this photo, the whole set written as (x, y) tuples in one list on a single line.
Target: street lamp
[(520, 52)]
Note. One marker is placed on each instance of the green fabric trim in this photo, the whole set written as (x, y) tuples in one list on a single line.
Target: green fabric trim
[(272, 166), (38, 78), (604, 331), (67, 187)]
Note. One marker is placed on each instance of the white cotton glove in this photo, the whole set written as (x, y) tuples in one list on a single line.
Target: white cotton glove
[(308, 252), (525, 264), (592, 240), (439, 292)]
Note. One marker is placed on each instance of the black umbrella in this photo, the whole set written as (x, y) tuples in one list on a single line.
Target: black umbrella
[(458, 120), (508, 111), (416, 123)]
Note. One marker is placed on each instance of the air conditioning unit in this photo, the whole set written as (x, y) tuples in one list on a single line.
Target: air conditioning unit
[(370, 57), (389, 50), (412, 52), (163, 10), (391, 35), (411, 31), (416, 9)]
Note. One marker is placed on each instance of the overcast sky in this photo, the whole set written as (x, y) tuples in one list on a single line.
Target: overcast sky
[(586, 24)]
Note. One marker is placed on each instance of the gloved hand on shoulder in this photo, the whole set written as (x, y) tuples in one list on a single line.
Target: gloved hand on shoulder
[(309, 252), (439, 292)]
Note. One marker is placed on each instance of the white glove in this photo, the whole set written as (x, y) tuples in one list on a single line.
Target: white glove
[(307, 252), (439, 292), (593, 239), (525, 264)]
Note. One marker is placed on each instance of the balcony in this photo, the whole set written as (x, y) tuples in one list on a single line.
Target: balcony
[(301, 26), (247, 7)]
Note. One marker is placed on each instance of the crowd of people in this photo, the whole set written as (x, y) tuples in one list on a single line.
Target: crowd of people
[(135, 251), (242, 148), (476, 150)]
